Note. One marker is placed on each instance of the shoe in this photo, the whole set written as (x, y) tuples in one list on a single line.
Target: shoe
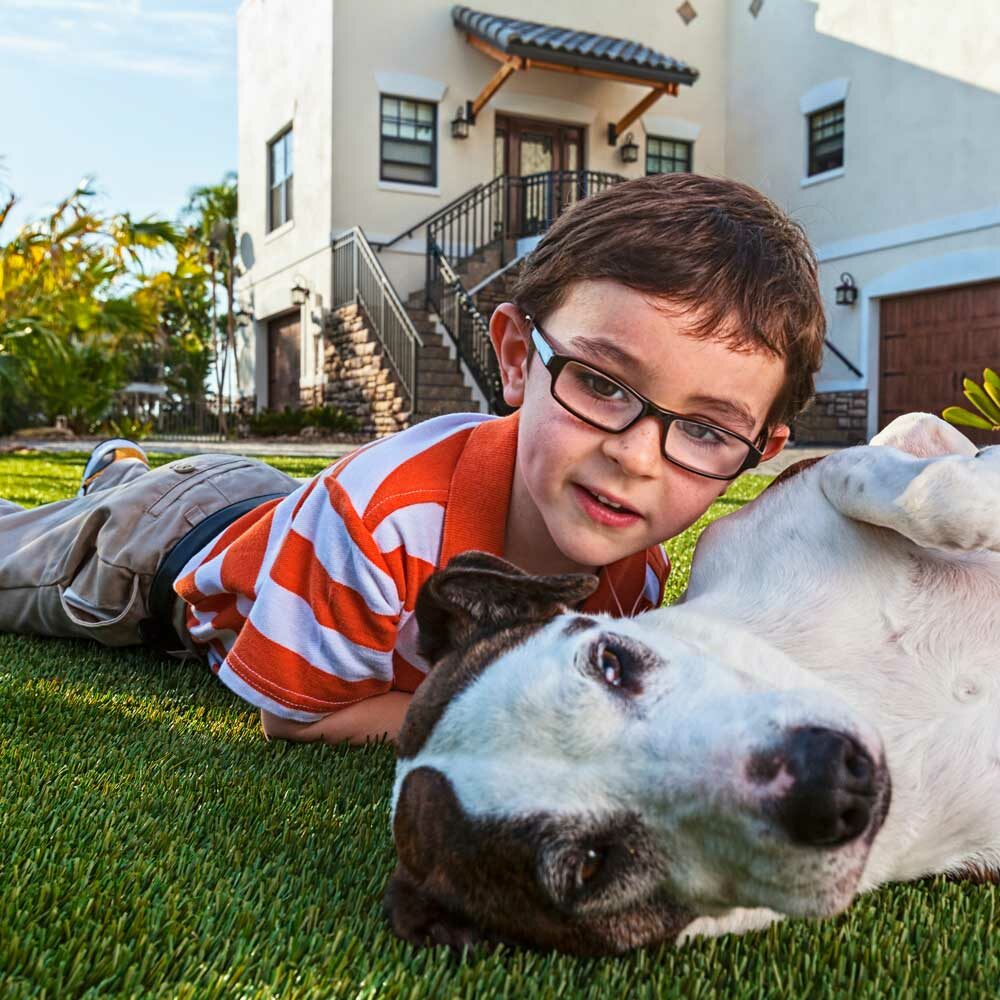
[(104, 455)]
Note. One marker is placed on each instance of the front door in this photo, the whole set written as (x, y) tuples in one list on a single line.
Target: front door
[(546, 156), (283, 362)]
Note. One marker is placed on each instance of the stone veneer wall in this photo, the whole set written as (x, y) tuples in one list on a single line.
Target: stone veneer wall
[(359, 378), (834, 418)]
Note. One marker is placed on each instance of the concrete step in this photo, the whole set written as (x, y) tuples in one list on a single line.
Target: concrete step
[(449, 377), (443, 393)]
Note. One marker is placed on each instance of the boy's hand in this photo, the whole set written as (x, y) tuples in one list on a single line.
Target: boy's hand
[(371, 719)]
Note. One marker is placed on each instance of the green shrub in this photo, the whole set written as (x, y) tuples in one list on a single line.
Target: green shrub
[(288, 422)]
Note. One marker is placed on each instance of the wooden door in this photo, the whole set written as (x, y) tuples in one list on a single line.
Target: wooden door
[(284, 362), (543, 153), (929, 342)]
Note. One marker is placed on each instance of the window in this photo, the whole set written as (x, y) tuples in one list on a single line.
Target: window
[(279, 180), (409, 141), (668, 156), (826, 139)]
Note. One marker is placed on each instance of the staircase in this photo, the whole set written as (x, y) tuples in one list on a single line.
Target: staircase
[(440, 385)]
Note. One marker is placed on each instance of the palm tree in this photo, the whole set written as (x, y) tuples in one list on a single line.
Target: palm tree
[(212, 214)]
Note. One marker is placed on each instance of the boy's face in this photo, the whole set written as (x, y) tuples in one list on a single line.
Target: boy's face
[(556, 521)]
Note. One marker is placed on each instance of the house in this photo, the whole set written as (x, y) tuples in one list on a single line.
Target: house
[(397, 160)]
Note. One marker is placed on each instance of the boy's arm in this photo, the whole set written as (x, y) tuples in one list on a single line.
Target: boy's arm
[(370, 719)]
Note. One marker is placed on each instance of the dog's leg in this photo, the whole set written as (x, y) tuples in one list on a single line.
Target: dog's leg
[(949, 502)]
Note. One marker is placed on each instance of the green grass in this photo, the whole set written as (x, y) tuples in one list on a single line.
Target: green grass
[(153, 845)]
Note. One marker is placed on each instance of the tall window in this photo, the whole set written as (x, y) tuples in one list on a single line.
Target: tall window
[(409, 141), (667, 156), (826, 139), (279, 180)]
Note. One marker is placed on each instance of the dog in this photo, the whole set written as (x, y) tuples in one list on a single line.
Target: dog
[(819, 715)]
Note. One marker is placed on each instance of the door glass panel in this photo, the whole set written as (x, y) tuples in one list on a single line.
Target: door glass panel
[(536, 153), (499, 149)]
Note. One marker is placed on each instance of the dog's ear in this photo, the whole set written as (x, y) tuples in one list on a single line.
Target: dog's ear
[(428, 828), (480, 592)]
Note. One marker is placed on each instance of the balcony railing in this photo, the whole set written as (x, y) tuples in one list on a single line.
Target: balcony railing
[(358, 279)]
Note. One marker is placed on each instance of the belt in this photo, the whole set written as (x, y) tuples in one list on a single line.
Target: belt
[(158, 629)]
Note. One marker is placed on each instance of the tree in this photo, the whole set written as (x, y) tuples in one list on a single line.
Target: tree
[(212, 212), (76, 308)]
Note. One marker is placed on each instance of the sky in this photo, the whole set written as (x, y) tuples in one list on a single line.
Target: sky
[(138, 94)]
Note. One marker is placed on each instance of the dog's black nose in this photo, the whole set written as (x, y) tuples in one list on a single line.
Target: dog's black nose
[(831, 798)]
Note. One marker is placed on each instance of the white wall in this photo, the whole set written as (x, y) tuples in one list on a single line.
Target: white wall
[(419, 38), (921, 176), (284, 68)]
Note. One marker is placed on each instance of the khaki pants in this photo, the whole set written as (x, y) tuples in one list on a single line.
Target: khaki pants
[(82, 568)]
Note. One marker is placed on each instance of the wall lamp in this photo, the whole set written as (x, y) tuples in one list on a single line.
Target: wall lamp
[(629, 150), (847, 291), (460, 124), (299, 294)]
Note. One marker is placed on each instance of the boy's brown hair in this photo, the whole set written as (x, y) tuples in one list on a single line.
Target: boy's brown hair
[(714, 246)]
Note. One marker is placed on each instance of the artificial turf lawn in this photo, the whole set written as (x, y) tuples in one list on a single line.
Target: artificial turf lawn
[(152, 844)]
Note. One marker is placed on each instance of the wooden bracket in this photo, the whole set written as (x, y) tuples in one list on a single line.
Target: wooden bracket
[(615, 129)]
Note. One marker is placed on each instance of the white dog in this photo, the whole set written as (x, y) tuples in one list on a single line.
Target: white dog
[(595, 784)]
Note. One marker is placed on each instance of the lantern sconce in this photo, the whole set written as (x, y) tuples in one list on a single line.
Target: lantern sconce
[(243, 316), (300, 293), (847, 291), (461, 122), (629, 150)]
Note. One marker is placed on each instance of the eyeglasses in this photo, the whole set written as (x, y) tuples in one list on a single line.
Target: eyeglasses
[(610, 405)]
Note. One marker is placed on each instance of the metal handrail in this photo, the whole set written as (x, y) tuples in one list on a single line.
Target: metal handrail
[(359, 279), (380, 246)]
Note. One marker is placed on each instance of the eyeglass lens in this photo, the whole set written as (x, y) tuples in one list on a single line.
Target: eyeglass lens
[(611, 406)]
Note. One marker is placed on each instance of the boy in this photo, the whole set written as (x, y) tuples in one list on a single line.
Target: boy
[(662, 335)]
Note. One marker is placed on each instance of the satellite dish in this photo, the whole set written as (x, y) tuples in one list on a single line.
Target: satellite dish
[(246, 251)]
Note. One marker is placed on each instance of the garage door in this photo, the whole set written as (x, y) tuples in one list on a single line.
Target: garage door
[(283, 366), (930, 341)]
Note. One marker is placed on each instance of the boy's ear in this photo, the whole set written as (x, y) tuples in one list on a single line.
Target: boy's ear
[(509, 332), (777, 440)]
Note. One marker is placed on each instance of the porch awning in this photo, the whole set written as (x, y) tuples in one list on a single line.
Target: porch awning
[(521, 45), (631, 61)]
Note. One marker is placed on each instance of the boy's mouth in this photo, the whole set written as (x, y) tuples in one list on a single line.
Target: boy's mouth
[(605, 509)]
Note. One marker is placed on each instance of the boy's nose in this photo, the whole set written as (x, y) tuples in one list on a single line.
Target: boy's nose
[(639, 450)]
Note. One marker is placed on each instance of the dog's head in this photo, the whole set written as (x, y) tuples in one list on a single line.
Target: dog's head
[(591, 784)]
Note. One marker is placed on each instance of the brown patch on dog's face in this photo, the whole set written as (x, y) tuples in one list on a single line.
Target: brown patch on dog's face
[(481, 606), (585, 887)]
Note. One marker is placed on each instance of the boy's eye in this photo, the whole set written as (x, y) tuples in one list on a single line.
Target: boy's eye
[(597, 385), (702, 434)]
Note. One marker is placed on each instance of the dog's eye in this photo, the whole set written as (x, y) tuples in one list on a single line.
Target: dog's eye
[(611, 666), (590, 865)]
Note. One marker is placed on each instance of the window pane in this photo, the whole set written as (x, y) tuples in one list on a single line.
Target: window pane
[(406, 152), (425, 112), (409, 174), (275, 207), (390, 107), (288, 199), (425, 133), (407, 131), (287, 142), (407, 109), (277, 167)]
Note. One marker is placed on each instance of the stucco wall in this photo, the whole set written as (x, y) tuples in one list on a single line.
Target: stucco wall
[(424, 42), (284, 67), (920, 178)]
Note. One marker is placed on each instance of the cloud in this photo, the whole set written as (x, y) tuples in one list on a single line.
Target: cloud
[(128, 36)]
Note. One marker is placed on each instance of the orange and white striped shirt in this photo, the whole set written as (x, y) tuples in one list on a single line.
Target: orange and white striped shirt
[(305, 604)]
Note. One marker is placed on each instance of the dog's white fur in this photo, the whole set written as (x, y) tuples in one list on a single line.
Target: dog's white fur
[(860, 596)]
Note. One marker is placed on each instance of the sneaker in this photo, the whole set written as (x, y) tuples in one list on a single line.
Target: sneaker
[(105, 454)]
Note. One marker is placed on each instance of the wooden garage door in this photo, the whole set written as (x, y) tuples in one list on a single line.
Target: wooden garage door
[(930, 341), (283, 362)]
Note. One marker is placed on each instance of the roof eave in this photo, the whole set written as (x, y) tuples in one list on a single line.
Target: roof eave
[(572, 60)]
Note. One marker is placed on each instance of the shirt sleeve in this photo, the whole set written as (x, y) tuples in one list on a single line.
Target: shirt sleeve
[(657, 571), (300, 613)]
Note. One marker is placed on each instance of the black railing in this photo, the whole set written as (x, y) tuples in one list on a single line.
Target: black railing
[(466, 326), (358, 278), (510, 208), (493, 216)]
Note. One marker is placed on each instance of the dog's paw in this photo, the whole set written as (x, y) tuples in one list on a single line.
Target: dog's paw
[(924, 435)]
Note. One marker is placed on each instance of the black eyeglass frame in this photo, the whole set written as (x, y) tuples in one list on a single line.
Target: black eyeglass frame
[(554, 364)]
